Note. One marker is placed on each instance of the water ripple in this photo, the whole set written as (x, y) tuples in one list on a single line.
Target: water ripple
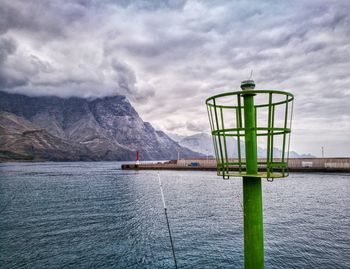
[(93, 215)]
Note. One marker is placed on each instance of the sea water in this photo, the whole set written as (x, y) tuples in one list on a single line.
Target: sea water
[(94, 215)]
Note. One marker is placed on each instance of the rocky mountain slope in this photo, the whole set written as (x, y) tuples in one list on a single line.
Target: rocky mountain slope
[(106, 128), (22, 140)]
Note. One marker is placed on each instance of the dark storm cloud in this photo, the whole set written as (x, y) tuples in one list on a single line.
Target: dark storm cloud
[(148, 5), (7, 46), (9, 78), (124, 76), (48, 18), (168, 56)]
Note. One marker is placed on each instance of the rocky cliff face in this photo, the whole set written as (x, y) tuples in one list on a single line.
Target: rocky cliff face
[(107, 128), (22, 140)]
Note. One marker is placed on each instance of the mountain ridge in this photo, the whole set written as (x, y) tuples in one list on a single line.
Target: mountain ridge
[(22, 140), (110, 128)]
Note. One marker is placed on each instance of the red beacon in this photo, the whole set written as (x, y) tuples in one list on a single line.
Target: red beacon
[(137, 157)]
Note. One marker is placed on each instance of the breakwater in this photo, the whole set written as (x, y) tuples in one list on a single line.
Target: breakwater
[(341, 165)]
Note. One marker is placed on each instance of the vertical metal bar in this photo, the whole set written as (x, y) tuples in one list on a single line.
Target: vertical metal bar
[(224, 137), (256, 125), (240, 110), (272, 134), (220, 146), (252, 193), (214, 137), (240, 126), (256, 117), (284, 133), (290, 128), (238, 142), (268, 161)]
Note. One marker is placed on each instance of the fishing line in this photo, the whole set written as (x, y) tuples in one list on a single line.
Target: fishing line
[(167, 220)]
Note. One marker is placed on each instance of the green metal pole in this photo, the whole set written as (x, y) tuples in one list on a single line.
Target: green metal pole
[(252, 193)]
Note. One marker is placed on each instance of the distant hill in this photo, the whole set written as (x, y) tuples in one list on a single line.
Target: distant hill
[(106, 128), (200, 142), (203, 143)]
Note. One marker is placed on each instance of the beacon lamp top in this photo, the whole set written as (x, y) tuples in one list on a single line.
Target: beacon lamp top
[(247, 85)]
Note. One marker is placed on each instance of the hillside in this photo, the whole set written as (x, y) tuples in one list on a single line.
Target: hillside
[(108, 128)]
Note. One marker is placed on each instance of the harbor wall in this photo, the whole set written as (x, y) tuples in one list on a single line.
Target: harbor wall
[(292, 163), (295, 165)]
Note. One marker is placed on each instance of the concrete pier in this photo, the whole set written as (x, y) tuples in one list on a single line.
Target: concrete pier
[(335, 165)]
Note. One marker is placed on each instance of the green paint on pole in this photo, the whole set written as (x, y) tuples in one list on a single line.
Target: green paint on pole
[(239, 115), (252, 193)]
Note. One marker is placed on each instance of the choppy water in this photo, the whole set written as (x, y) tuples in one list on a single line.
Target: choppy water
[(93, 215)]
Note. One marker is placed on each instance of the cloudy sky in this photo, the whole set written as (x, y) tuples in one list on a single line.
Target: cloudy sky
[(167, 57)]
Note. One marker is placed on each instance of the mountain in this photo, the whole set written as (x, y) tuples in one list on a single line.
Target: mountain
[(200, 142), (176, 137), (203, 143), (293, 154), (22, 140), (106, 128)]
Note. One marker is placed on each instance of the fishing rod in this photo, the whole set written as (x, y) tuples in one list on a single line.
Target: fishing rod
[(167, 220)]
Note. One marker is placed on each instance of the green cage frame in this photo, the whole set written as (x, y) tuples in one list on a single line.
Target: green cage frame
[(268, 168)]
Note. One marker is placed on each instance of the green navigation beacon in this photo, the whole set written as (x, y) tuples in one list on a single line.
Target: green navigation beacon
[(251, 133)]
